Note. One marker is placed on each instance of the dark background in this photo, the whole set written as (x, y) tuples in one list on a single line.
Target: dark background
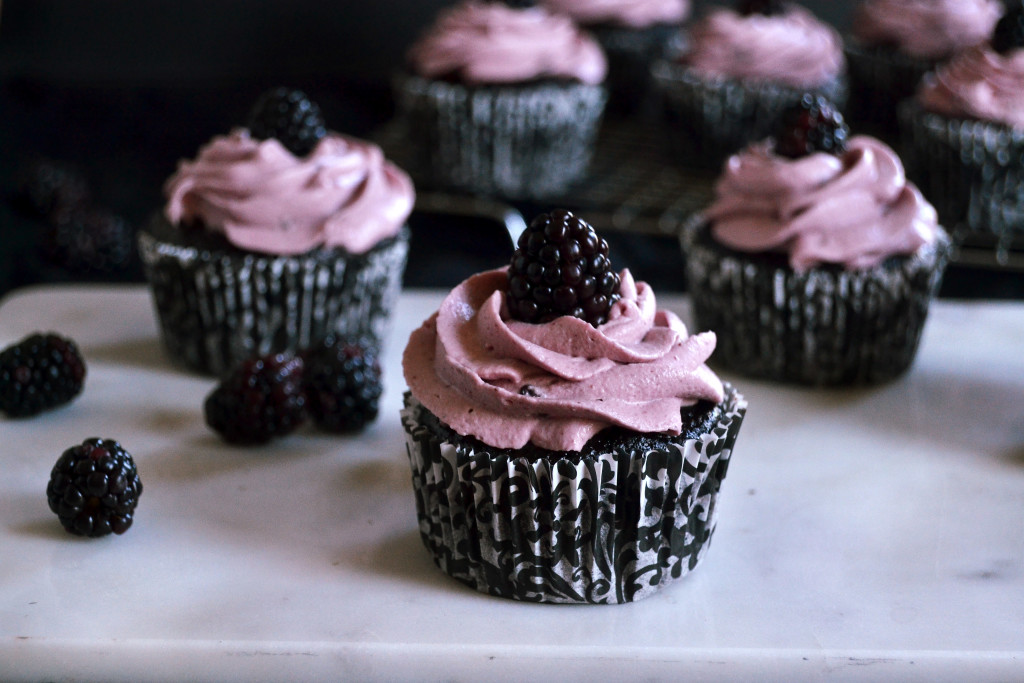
[(124, 88)]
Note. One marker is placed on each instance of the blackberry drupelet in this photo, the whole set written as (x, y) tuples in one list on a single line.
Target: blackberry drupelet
[(1008, 34), (561, 267), (42, 371), (94, 488), (289, 116), (260, 400), (343, 386), (765, 7), (813, 124)]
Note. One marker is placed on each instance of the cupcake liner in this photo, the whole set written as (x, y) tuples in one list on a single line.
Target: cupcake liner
[(880, 78), (217, 307), (611, 527), (518, 142), (825, 326), (716, 117), (971, 171)]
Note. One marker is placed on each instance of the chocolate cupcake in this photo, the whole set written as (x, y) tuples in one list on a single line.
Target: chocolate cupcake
[(893, 43), (633, 34), (277, 235), (739, 69), (817, 262), (567, 443), (964, 137), (502, 101)]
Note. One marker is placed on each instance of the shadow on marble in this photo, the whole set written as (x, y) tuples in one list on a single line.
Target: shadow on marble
[(143, 353)]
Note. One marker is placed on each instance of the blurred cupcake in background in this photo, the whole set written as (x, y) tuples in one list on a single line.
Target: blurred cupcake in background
[(634, 34), (502, 99), (275, 236), (740, 68), (817, 261), (964, 135), (893, 43)]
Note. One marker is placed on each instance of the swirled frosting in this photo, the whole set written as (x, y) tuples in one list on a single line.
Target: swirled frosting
[(490, 42), (928, 29), (263, 198), (628, 13), (557, 384), (978, 83), (856, 209), (793, 49)]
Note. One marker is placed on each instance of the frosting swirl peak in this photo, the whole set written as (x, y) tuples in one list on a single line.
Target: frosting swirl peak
[(928, 29), (263, 198), (978, 83), (628, 13), (794, 49), (490, 42), (855, 210), (556, 384)]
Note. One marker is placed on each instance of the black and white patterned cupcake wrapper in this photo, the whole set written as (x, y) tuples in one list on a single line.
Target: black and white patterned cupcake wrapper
[(880, 78), (607, 528), (217, 308), (972, 171), (825, 326), (717, 117), (527, 141)]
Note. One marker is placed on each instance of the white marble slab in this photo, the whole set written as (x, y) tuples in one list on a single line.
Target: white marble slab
[(863, 534)]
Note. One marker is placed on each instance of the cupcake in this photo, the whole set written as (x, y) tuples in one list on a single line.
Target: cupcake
[(503, 101), (634, 34), (741, 68), (276, 235), (895, 42), (567, 443), (964, 136), (817, 260)]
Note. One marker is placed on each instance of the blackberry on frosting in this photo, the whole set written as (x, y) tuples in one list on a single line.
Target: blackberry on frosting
[(1008, 34), (813, 124), (289, 116), (561, 267)]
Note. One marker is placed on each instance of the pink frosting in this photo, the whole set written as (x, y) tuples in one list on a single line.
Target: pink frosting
[(978, 83), (793, 49), (855, 210), (929, 29), (263, 198), (557, 384), (628, 13), (489, 42)]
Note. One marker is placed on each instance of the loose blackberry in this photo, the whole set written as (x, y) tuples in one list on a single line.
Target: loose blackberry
[(290, 116), (88, 240), (561, 267), (94, 488), (765, 7), (343, 386), (260, 400), (1008, 34), (811, 125), (40, 372), (47, 186)]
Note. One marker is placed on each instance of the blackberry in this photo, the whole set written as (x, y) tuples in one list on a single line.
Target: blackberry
[(47, 186), (343, 386), (765, 7), (290, 116), (259, 400), (813, 124), (1008, 34), (94, 488), (561, 267), (42, 371), (88, 240)]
